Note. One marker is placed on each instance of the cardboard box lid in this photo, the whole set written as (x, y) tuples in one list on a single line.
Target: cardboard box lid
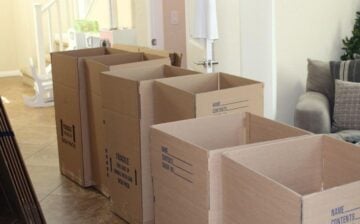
[(68, 65), (122, 88), (203, 95)]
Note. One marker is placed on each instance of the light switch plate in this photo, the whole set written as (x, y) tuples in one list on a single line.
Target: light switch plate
[(174, 17)]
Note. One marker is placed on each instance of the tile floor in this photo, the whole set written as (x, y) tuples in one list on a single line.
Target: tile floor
[(62, 201)]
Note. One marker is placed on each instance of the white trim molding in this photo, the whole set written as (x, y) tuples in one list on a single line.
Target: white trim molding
[(10, 73)]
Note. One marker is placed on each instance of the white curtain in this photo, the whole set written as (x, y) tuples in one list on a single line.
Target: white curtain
[(204, 20)]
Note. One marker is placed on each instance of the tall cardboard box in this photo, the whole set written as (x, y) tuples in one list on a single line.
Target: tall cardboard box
[(186, 162), (128, 113), (182, 98), (93, 68), (308, 180), (68, 70)]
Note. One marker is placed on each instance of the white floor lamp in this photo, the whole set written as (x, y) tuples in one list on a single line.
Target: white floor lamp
[(206, 27)]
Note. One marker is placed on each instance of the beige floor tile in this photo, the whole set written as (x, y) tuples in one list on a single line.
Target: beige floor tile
[(62, 200), (45, 179), (74, 209), (28, 150), (46, 157)]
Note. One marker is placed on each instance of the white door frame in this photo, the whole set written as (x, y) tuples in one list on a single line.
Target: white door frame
[(157, 23)]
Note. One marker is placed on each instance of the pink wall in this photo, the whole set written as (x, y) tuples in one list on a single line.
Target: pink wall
[(175, 34)]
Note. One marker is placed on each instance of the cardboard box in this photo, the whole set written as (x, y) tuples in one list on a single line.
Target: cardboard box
[(175, 58), (93, 68), (129, 113), (309, 180), (197, 96), (186, 161), (71, 111)]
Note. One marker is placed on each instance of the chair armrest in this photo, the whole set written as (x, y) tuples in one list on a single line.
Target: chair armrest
[(312, 113)]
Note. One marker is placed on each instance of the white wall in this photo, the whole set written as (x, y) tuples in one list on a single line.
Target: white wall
[(7, 41), (257, 47), (142, 22), (100, 12), (307, 29)]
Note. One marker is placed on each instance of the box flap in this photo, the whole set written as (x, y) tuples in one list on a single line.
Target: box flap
[(95, 65), (173, 71), (341, 163), (194, 84), (229, 81), (167, 106), (294, 163), (66, 67), (337, 205), (65, 70), (261, 129), (253, 198), (120, 95)]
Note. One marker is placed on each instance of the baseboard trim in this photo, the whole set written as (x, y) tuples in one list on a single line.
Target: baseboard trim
[(11, 73)]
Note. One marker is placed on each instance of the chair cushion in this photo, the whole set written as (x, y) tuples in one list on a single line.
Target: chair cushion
[(347, 106), (351, 136), (320, 79)]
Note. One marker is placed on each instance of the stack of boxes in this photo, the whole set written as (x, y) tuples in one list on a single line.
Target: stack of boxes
[(113, 108)]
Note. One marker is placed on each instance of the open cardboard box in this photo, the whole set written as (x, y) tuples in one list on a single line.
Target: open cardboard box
[(175, 58), (70, 96), (186, 161), (93, 68), (128, 114), (182, 98), (308, 180)]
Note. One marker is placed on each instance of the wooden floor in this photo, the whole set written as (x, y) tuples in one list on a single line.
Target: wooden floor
[(62, 201)]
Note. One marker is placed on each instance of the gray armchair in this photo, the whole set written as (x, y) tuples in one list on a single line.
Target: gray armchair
[(314, 109), (312, 113)]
